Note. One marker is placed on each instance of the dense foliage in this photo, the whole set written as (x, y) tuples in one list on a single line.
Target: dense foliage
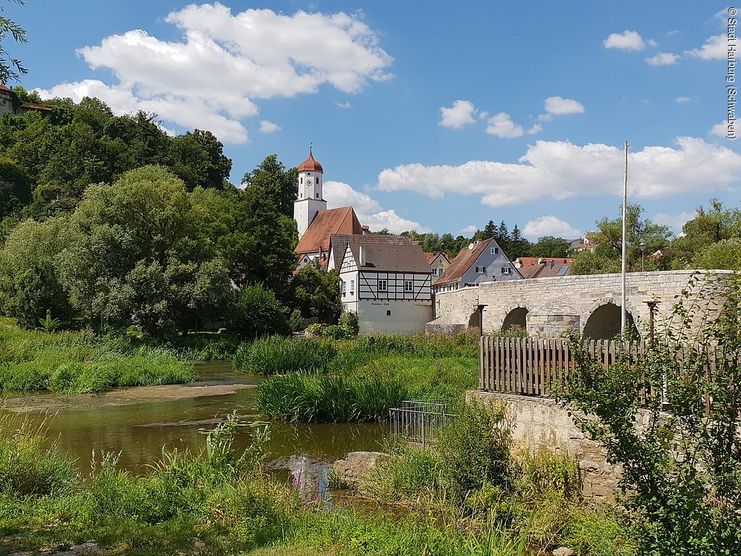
[(681, 469)]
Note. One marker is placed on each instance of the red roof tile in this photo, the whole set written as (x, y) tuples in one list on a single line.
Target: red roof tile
[(326, 224), (543, 267), (310, 164)]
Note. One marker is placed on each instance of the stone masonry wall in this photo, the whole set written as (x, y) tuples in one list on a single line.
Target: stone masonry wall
[(571, 299), (540, 424)]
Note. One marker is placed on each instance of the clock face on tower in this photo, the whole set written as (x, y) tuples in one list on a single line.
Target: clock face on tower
[(308, 181)]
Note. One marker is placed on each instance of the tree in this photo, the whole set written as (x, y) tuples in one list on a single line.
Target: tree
[(259, 313), (680, 470), (699, 246), (549, 246), (10, 68), (198, 159), (15, 189), (280, 185), (139, 256), (608, 238), (518, 245), (29, 282), (317, 294)]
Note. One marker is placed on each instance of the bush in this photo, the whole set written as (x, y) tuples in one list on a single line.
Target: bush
[(349, 319), (278, 355), (337, 332), (329, 399), (258, 313), (476, 448)]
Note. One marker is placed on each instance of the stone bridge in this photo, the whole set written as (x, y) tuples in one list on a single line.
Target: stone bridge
[(588, 304)]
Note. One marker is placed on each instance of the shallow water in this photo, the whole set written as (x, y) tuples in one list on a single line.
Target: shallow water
[(139, 428)]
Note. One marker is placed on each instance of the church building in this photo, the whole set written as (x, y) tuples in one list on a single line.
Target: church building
[(385, 279)]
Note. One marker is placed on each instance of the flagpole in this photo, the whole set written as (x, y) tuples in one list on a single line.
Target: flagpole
[(624, 253)]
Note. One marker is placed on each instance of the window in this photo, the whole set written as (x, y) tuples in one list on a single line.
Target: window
[(495, 250), (506, 270), (343, 287), (483, 269), (382, 286), (408, 286), (317, 195), (477, 270), (302, 179), (388, 313), (352, 287)]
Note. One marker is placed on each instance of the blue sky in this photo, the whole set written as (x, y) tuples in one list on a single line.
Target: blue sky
[(547, 92)]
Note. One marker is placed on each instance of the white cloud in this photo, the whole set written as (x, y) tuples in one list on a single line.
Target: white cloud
[(212, 76), (715, 48), (663, 59), (674, 221), (345, 104), (627, 40), (502, 125), (462, 113), (560, 169), (559, 106), (550, 226), (720, 130), (369, 211), (268, 127), (683, 100), (470, 229)]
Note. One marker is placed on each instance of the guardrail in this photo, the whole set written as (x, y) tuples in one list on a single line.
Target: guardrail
[(419, 421)]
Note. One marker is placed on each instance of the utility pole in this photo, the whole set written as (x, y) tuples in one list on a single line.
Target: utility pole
[(624, 261)]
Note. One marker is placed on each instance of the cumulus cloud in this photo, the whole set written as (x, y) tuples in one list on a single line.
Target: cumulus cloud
[(345, 104), (560, 170), (268, 127), (674, 221), (369, 211), (720, 130), (683, 100), (502, 125), (213, 75), (627, 40), (715, 48), (663, 59), (559, 106), (462, 113), (470, 229), (550, 226)]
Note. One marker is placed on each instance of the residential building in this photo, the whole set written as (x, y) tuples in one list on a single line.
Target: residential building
[(438, 263), (582, 244), (386, 280), (543, 267), (481, 261)]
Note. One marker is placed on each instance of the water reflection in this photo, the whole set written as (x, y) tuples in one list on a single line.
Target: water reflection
[(140, 430)]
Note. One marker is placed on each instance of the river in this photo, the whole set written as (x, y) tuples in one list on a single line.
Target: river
[(139, 422)]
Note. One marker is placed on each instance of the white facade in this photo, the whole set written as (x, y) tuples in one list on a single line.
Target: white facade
[(310, 199), (385, 302)]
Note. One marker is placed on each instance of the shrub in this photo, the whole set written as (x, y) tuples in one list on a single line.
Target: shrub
[(337, 332), (278, 355), (350, 320), (476, 448), (259, 313), (329, 399)]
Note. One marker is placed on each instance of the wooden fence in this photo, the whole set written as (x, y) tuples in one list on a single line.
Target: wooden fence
[(537, 366)]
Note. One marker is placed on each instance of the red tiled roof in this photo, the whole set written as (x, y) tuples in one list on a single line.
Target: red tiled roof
[(35, 106), (326, 224), (388, 253), (310, 165), (4, 87), (434, 255), (543, 267)]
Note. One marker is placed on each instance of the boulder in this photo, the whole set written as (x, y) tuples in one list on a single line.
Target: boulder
[(564, 551), (356, 466)]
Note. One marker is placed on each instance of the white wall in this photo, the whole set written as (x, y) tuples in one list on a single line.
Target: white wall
[(407, 317)]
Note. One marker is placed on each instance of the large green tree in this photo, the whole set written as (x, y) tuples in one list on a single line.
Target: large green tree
[(276, 182), (710, 239), (317, 294), (549, 246)]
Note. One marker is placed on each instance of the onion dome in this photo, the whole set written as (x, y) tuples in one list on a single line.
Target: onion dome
[(310, 164)]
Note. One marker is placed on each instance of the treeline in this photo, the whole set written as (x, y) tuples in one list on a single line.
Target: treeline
[(110, 223)]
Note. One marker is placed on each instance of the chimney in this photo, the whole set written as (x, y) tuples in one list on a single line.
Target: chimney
[(361, 255)]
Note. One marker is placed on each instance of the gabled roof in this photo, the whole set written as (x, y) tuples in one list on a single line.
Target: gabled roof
[(326, 224), (543, 267), (464, 260), (434, 255), (382, 253)]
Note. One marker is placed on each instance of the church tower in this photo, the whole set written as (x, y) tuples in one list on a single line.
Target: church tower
[(310, 200)]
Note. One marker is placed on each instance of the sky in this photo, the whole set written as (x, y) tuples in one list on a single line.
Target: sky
[(426, 115)]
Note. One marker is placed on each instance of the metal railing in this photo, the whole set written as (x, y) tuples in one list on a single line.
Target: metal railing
[(419, 421)]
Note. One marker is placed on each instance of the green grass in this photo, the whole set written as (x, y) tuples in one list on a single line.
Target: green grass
[(279, 355), (77, 362)]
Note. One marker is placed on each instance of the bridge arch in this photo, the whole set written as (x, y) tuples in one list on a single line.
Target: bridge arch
[(515, 319), (603, 322)]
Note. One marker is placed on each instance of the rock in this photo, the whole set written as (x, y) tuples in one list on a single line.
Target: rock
[(356, 466), (564, 551)]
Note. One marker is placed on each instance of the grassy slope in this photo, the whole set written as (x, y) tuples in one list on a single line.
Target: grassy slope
[(74, 362)]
